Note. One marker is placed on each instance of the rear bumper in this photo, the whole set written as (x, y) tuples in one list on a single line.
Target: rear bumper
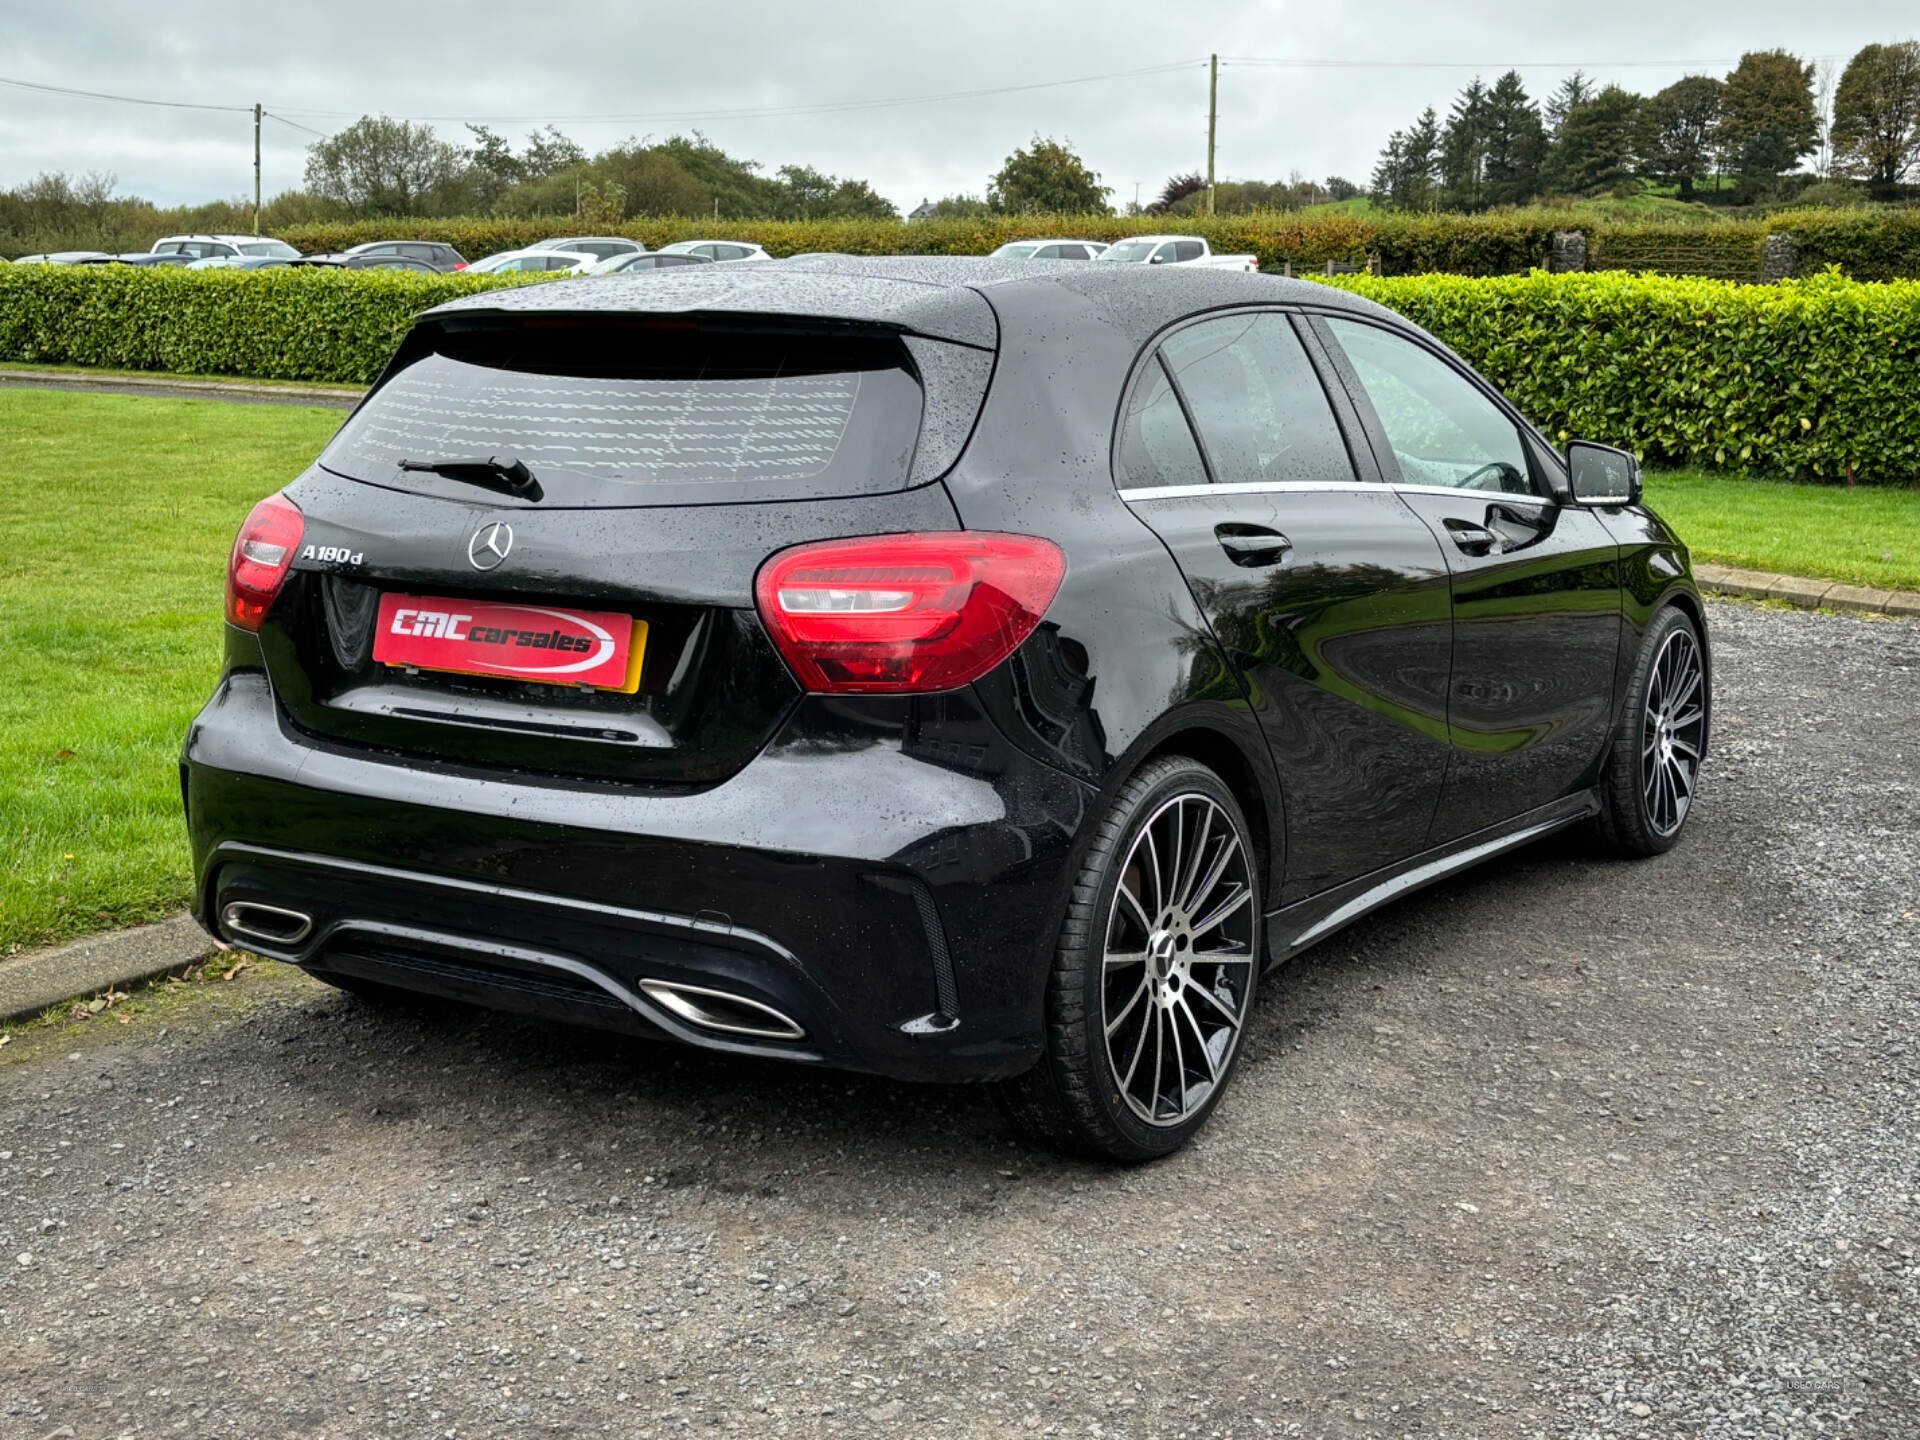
[(887, 875)]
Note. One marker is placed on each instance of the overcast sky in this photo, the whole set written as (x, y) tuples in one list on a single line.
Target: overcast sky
[(670, 67)]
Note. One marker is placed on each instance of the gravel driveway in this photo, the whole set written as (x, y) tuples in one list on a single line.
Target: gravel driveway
[(1563, 1148)]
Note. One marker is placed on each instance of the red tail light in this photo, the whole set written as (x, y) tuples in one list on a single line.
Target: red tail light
[(894, 614), (263, 552)]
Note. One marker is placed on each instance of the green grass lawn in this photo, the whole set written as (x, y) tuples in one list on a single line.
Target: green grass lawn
[(117, 514), (1865, 535)]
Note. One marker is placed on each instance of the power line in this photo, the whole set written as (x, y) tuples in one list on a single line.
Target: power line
[(122, 99), (295, 124)]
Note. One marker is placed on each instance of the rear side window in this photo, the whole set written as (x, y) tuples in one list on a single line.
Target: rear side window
[(1156, 443), (1259, 406), (621, 413), (1186, 250)]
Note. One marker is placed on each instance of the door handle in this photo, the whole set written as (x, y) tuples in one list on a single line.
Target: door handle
[(1471, 538), (1252, 546)]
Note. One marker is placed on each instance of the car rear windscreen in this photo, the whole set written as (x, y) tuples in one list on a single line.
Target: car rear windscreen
[(645, 414)]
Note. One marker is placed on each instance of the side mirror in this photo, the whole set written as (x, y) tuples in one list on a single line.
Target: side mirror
[(1157, 260), (1601, 475)]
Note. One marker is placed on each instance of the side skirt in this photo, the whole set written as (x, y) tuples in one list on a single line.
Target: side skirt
[(1307, 922)]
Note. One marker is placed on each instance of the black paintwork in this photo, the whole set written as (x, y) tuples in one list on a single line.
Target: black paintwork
[(891, 871)]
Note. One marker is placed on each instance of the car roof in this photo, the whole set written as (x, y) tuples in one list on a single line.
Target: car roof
[(958, 298), (369, 244), (227, 239)]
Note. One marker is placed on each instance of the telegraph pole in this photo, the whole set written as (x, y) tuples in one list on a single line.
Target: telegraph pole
[(256, 167), (1213, 122)]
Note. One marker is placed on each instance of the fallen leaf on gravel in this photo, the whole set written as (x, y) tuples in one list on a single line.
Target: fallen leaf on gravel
[(1467, 1206), (243, 965), (6, 1039)]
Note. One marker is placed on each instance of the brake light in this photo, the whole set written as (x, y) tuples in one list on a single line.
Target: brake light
[(897, 614), (263, 552)]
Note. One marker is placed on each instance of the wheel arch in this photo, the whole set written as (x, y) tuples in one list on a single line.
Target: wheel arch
[(1250, 776)]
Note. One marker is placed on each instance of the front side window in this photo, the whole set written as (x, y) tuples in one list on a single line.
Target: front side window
[(1258, 404), (1441, 428), (1156, 443), (1128, 252)]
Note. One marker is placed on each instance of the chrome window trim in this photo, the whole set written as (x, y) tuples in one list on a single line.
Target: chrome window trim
[(1286, 487)]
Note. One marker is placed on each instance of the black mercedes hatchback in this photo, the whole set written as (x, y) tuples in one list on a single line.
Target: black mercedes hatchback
[(959, 670)]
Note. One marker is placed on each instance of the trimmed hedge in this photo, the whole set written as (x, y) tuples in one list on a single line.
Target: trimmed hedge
[(1813, 377), (1865, 244), (1817, 378), (293, 324)]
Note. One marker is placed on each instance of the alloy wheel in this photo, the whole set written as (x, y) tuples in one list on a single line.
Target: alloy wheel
[(1178, 960), (1671, 735)]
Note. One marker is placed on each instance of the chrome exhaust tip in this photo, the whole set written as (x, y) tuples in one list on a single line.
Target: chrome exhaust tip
[(248, 920), (717, 1010)]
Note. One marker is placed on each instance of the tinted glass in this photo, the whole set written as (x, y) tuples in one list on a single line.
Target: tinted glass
[(731, 252), (1156, 444), (1259, 406), (612, 413), (1440, 427), (1187, 250)]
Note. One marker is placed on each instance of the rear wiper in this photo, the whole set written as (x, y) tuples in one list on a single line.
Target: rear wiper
[(495, 472)]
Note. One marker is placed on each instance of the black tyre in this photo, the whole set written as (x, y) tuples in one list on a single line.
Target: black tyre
[(1154, 974), (1653, 767)]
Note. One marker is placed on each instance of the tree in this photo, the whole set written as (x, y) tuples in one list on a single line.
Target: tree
[(814, 196), (1463, 150), (1404, 178), (1177, 188), (548, 152), (1047, 178), (961, 207), (1876, 114), (492, 167), (1595, 152), (1340, 188), (378, 166), (1571, 94), (1768, 120), (1515, 143), (1679, 128)]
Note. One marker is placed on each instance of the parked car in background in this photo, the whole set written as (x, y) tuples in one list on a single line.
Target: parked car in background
[(1017, 661), (553, 262), (602, 247), (137, 257), (229, 262), (430, 253), (1174, 250), (202, 247), (651, 260), (1050, 250), (716, 250), (68, 257)]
